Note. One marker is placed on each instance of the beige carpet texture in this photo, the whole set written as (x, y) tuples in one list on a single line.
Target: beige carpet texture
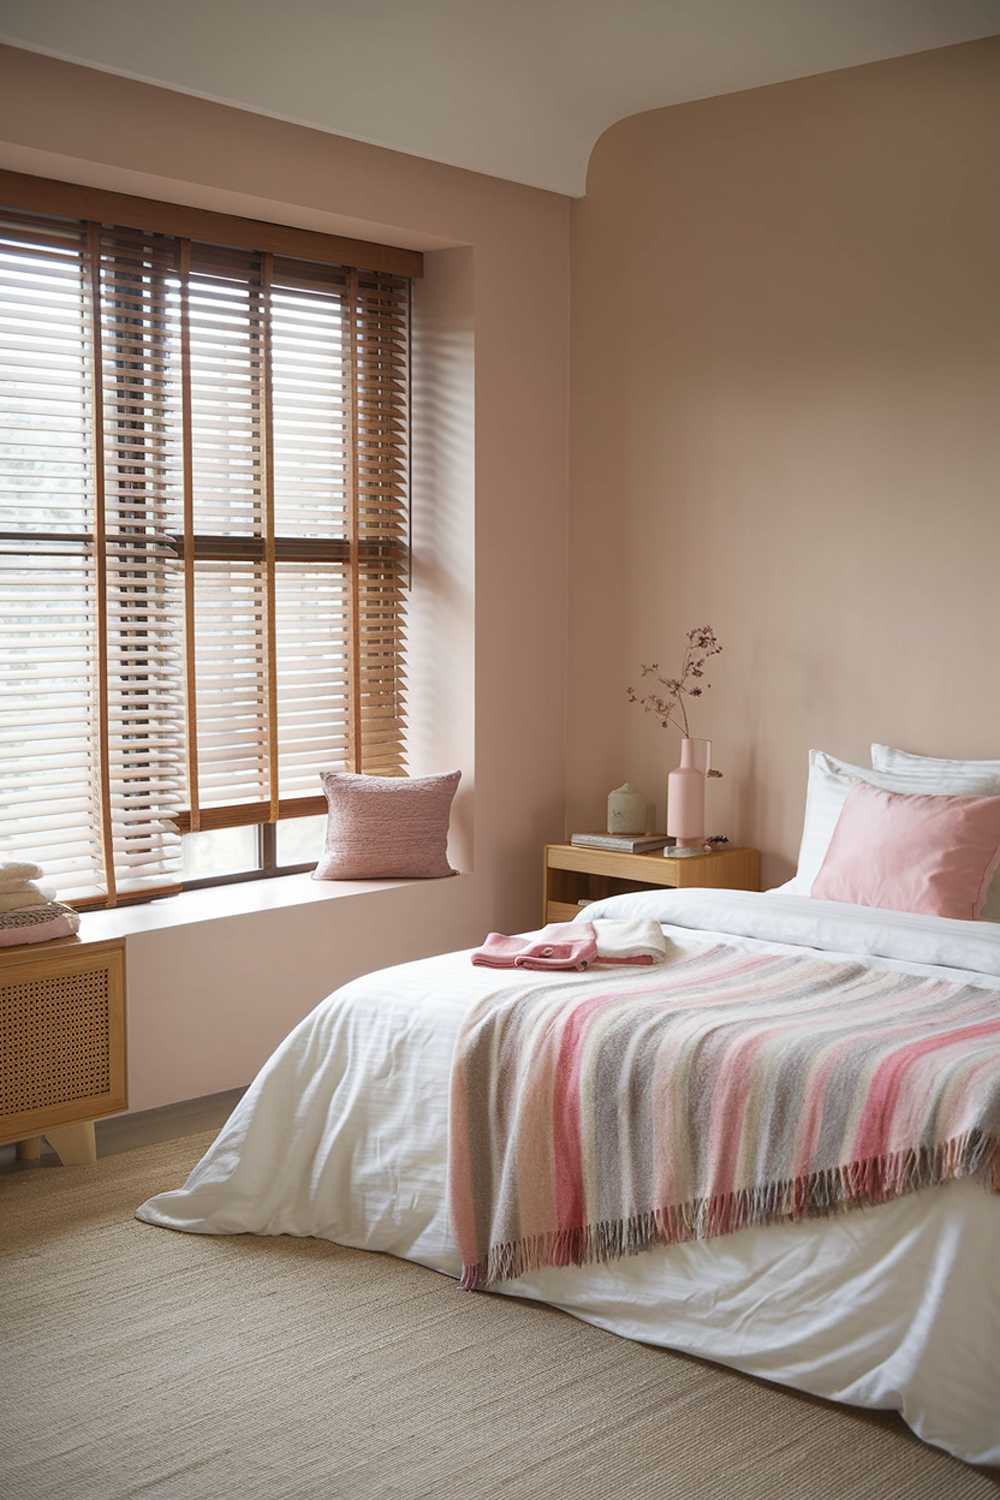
[(139, 1363)]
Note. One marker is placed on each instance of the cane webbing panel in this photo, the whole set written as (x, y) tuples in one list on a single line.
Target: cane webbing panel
[(54, 1040), (61, 1040)]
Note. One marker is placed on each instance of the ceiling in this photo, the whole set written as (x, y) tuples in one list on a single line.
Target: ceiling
[(517, 88)]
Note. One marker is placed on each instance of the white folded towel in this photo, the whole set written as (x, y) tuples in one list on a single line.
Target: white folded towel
[(634, 941), (23, 899), (10, 885), (18, 870)]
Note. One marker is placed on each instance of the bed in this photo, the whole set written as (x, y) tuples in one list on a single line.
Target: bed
[(344, 1135)]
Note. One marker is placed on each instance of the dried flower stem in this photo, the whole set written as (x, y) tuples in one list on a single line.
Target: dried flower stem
[(671, 707)]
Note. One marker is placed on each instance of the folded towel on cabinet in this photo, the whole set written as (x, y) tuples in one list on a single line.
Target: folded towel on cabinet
[(37, 924), (14, 872), (28, 895)]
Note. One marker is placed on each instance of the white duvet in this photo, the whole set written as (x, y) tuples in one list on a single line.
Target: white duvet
[(343, 1135)]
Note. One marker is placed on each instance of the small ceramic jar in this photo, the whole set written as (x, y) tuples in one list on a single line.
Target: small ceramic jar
[(626, 810)]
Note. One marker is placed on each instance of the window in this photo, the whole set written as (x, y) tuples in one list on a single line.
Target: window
[(204, 519)]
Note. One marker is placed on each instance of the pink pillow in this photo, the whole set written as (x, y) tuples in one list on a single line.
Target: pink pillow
[(912, 853), (381, 828)]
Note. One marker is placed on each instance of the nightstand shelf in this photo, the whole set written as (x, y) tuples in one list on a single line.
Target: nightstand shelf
[(574, 873)]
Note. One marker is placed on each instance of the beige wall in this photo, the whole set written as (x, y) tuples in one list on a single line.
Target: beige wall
[(786, 422), (786, 350), (208, 1001)]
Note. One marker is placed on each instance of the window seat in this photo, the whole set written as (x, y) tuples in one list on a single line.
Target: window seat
[(242, 898)]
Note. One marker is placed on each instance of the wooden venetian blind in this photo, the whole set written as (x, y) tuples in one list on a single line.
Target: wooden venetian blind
[(204, 539)]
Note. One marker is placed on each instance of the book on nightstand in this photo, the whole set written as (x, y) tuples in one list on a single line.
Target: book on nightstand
[(623, 843)]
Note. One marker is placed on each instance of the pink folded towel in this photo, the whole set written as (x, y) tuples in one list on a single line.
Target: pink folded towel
[(560, 945)]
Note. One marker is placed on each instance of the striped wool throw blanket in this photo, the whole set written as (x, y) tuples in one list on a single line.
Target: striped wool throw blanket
[(594, 1117)]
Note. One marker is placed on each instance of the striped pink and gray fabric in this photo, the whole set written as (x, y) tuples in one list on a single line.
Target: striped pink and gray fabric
[(594, 1117)]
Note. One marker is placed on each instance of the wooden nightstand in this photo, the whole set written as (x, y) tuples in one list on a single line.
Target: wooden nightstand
[(574, 873)]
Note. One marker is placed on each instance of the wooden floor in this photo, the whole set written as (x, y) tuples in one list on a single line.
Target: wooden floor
[(146, 1128)]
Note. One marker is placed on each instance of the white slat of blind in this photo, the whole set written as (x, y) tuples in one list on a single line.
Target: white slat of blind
[(50, 797), (313, 729), (312, 599), (308, 399), (140, 370), (382, 390), (224, 312), (383, 678), (232, 717)]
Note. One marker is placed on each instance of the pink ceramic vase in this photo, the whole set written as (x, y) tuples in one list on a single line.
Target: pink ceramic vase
[(686, 798)]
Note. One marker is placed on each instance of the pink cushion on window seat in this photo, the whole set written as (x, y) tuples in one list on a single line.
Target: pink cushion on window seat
[(386, 828)]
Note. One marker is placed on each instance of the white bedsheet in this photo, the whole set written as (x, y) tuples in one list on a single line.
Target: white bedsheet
[(343, 1135)]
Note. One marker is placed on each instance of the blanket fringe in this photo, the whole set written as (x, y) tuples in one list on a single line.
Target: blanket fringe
[(878, 1179)]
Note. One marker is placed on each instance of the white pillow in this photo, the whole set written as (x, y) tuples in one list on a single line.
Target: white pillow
[(831, 779), (886, 758), (931, 773)]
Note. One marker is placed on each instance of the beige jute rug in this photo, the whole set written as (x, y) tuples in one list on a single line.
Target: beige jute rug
[(139, 1363)]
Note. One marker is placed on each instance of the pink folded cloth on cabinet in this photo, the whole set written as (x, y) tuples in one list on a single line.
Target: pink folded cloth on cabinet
[(560, 945), (37, 924)]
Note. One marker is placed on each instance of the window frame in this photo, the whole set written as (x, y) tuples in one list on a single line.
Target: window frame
[(267, 868), (373, 561)]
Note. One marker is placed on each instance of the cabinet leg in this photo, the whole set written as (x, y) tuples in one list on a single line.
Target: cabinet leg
[(29, 1150), (73, 1144)]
